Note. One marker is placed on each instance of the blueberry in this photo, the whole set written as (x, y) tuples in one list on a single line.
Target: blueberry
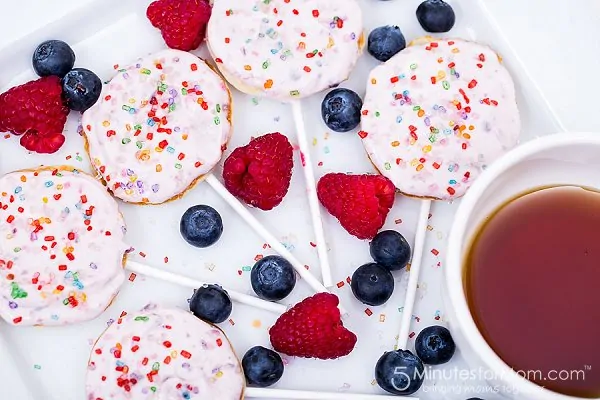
[(273, 278), (341, 110), (385, 42), (390, 249), (81, 89), (434, 345), (436, 16), (372, 284), (211, 303), (399, 372), (262, 367), (53, 57), (201, 226)]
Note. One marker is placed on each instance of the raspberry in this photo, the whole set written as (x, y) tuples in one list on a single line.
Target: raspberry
[(313, 329), (360, 202), (260, 172), (36, 111), (182, 23)]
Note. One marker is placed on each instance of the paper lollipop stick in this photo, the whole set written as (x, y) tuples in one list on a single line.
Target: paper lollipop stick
[(413, 280), (265, 234), (280, 394), (311, 188), (194, 284)]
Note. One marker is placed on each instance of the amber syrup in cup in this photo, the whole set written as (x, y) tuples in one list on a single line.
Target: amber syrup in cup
[(532, 278)]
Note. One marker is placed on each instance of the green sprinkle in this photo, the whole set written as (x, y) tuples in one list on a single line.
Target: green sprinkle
[(78, 158), (377, 114), (387, 166), (16, 292), (184, 91), (137, 127), (125, 108), (172, 107), (416, 108), (178, 166), (413, 66), (66, 302), (446, 85), (266, 64), (141, 318), (432, 139), (294, 93), (155, 366), (37, 366), (218, 108), (255, 101), (138, 144), (153, 388), (452, 71), (126, 140), (59, 174), (217, 121), (17, 249), (145, 71), (246, 268)]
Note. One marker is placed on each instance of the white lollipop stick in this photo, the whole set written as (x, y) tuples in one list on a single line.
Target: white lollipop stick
[(311, 187), (194, 284), (413, 280), (253, 393), (265, 234)]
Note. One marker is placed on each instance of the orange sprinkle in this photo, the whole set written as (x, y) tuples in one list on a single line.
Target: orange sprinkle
[(395, 143), (269, 84), (421, 113), (420, 167), (247, 67)]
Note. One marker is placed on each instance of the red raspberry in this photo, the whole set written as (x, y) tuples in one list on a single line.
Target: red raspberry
[(260, 172), (181, 22), (313, 329), (36, 111), (360, 202)]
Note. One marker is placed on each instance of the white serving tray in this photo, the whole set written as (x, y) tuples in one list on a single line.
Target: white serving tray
[(52, 361)]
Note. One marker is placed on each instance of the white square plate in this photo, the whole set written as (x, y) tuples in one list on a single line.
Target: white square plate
[(52, 361)]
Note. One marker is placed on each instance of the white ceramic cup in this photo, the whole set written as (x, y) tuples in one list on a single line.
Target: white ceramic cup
[(561, 159)]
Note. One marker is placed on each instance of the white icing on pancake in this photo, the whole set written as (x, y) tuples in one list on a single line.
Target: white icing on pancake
[(61, 253), (163, 354), (437, 114), (159, 124), (285, 49)]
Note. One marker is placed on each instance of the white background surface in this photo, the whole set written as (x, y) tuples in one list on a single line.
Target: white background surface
[(546, 38), (556, 39)]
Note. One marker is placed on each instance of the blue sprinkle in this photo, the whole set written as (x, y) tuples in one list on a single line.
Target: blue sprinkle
[(49, 184), (18, 189), (120, 363), (150, 122), (54, 317), (170, 149), (22, 197), (452, 182), (405, 93), (399, 119), (402, 76)]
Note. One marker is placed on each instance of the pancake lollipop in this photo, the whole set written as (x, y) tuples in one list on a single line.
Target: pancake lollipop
[(166, 354), (160, 125), (63, 248), (434, 117), (288, 50)]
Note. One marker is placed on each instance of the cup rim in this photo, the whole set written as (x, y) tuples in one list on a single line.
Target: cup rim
[(453, 270)]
